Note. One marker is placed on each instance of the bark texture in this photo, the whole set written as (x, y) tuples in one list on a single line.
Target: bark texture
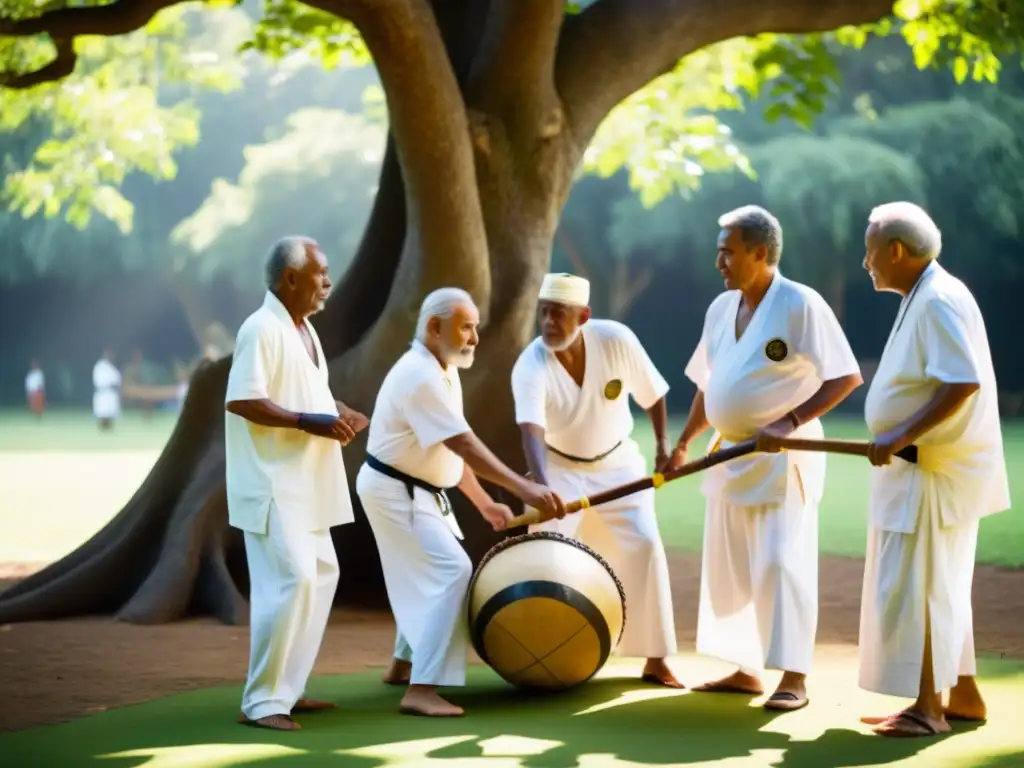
[(491, 103)]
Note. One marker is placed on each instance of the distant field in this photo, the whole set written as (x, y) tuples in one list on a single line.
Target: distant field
[(61, 480)]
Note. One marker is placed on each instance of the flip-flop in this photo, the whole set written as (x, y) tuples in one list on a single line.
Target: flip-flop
[(924, 726), (243, 720), (786, 701), (647, 677)]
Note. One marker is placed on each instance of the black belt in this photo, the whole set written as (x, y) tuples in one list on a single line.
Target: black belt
[(411, 482), (578, 460)]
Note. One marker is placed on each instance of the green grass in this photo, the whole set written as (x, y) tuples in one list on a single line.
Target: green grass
[(61, 480), (608, 722)]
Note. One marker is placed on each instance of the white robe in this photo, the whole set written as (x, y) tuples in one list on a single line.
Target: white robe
[(426, 570), (588, 422), (106, 399), (759, 572), (286, 489), (923, 521)]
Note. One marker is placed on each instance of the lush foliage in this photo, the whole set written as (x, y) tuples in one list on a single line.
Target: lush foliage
[(127, 107)]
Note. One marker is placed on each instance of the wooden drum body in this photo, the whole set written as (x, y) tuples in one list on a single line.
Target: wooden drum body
[(545, 611)]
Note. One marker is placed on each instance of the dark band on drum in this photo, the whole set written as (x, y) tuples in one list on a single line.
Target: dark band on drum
[(529, 589)]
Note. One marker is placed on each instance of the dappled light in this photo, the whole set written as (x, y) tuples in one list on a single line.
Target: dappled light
[(505, 729), (154, 150)]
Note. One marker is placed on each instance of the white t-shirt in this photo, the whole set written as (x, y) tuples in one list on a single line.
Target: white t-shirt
[(419, 406), (34, 381), (940, 340), (587, 421), (304, 475)]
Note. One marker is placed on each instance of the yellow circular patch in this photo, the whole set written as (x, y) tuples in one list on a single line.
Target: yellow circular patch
[(613, 389)]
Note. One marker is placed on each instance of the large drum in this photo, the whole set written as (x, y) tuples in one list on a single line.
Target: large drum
[(545, 611)]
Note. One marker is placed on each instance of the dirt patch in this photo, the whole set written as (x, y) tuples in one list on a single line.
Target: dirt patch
[(54, 671)]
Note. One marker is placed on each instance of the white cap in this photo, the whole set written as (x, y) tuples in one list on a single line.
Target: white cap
[(563, 288)]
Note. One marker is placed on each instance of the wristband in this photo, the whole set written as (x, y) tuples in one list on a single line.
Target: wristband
[(307, 420)]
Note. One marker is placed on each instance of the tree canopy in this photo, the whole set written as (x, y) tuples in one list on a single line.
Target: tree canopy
[(130, 70)]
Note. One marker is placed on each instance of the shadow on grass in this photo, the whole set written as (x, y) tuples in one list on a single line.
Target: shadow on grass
[(605, 722)]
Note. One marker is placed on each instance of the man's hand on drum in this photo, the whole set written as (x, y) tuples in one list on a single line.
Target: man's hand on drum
[(541, 498), (497, 514)]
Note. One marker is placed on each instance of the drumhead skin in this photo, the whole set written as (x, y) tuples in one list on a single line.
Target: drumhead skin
[(545, 611)]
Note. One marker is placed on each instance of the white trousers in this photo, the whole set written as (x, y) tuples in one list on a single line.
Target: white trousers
[(293, 576), (906, 578), (426, 573), (625, 533), (759, 584)]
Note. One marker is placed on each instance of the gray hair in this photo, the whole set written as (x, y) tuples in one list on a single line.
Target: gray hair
[(757, 227), (440, 303), (909, 224), (289, 251)]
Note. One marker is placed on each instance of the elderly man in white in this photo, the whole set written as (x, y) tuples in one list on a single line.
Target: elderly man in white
[(420, 446), (572, 387), (771, 360), (286, 483), (935, 387)]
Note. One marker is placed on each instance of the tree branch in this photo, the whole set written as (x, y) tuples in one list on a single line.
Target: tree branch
[(64, 24), (513, 76), (616, 47), (117, 18), (63, 64)]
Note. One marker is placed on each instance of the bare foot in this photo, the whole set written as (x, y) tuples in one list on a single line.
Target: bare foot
[(398, 673), (423, 700), (312, 705), (911, 723), (273, 722), (737, 682), (965, 702), (656, 671)]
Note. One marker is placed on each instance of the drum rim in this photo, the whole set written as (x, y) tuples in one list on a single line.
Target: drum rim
[(501, 546)]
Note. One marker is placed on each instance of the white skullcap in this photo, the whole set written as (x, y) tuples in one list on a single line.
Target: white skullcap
[(563, 288)]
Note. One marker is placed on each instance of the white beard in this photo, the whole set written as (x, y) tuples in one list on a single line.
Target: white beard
[(462, 358), (565, 344)]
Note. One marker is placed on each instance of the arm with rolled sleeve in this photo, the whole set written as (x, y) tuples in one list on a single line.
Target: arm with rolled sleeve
[(431, 414), (949, 355), (820, 338), (646, 382), (253, 360), (529, 391)]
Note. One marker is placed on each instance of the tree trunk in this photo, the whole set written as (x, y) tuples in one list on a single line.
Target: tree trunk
[(491, 103)]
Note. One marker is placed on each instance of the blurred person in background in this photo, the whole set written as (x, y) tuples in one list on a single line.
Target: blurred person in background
[(106, 398), (35, 389)]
